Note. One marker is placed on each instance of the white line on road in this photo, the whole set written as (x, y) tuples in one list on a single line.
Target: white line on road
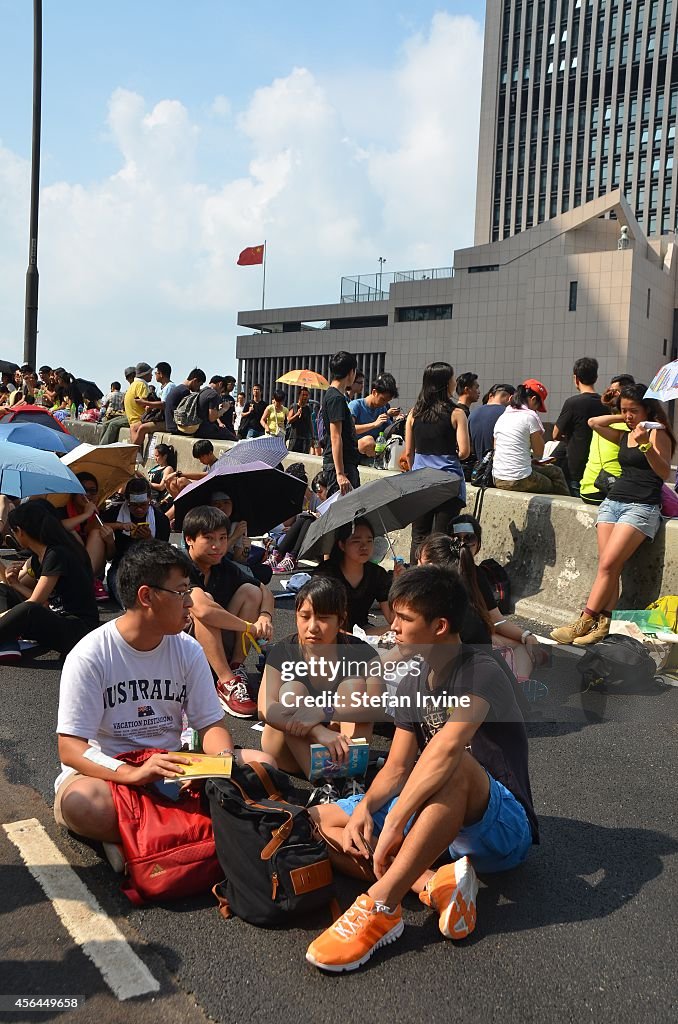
[(90, 928)]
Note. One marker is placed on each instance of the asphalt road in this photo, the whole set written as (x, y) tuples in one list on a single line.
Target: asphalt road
[(585, 930)]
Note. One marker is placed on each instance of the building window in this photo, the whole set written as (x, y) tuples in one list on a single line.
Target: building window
[(483, 269), (649, 295), (408, 314), (572, 305)]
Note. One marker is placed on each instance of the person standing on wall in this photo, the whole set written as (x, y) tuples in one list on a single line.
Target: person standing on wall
[(573, 423), (300, 424), (340, 456)]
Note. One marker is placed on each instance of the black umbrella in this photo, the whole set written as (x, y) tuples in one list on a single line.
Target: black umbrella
[(88, 389), (8, 367), (390, 503), (262, 496)]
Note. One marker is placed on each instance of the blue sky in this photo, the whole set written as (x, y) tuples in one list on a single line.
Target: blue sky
[(174, 133)]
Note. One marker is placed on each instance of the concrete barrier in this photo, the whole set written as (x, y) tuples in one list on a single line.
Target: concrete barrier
[(548, 544)]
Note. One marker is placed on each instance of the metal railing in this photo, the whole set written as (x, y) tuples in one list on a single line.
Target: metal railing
[(376, 287)]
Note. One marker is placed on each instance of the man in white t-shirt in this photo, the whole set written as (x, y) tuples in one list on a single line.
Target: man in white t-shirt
[(124, 687)]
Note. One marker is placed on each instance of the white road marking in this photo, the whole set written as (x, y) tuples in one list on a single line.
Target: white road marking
[(90, 928)]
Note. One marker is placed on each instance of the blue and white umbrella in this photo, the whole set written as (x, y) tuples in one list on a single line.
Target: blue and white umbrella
[(270, 449), (25, 472), (35, 435)]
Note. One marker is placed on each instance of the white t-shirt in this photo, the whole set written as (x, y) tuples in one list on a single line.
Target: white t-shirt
[(512, 453), (122, 699)]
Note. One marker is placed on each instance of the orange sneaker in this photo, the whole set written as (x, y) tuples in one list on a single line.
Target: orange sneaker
[(353, 938), (452, 892)]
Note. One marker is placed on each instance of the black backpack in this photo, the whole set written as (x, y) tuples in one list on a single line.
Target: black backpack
[(499, 580), (618, 664), (274, 860)]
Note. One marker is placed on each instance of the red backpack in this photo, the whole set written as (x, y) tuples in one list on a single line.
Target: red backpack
[(168, 844)]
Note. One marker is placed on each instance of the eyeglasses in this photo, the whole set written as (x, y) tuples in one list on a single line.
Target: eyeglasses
[(183, 594)]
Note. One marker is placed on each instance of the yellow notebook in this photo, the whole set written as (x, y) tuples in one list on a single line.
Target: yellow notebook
[(203, 766)]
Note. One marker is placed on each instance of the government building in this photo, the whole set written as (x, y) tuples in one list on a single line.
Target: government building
[(575, 212)]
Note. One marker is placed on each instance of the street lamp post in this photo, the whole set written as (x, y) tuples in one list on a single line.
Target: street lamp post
[(382, 260), (31, 307)]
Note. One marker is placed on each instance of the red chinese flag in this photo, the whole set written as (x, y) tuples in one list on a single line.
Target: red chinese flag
[(251, 256)]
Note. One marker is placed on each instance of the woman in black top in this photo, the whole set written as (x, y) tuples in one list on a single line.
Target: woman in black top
[(437, 437), (51, 598), (632, 510), (365, 582)]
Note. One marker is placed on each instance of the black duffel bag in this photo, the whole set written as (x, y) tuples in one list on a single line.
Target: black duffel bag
[(618, 664), (274, 861)]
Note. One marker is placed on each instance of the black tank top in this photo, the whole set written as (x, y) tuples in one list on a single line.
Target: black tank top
[(435, 437), (638, 483)]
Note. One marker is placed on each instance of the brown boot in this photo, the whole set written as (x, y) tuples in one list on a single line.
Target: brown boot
[(599, 631), (570, 634)]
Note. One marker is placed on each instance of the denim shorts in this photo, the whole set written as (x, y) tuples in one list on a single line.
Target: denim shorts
[(646, 518), (499, 841)]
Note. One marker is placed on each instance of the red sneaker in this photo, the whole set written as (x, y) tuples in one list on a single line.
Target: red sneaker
[(234, 697)]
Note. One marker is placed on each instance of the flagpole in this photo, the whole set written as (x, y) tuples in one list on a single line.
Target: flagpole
[(263, 287)]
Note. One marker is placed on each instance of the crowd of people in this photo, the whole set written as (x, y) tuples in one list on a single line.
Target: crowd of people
[(453, 796)]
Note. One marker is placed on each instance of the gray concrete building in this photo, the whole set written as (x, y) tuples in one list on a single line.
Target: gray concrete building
[(577, 138), (525, 306), (579, 97)]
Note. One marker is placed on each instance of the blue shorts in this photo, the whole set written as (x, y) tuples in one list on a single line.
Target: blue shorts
[(646, 518), (499, 841)]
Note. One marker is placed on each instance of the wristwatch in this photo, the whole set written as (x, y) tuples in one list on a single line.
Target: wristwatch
[(644, 447)]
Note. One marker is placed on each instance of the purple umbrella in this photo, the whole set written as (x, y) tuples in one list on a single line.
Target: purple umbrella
[(262, 496)]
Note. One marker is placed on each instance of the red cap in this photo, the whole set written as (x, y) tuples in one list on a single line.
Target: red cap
[(539, 389)]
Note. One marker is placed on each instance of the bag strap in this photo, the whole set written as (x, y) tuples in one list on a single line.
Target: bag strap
[(265, 779), (224, 907)]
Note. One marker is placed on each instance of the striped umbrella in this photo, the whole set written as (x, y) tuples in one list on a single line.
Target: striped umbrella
[(270, 449)]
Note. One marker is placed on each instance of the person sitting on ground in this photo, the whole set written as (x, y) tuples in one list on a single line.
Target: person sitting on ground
[(250, 557), (107, 682), (484, 624), (284, 556), (572, 424), (468, 792), (135, 521), (81, 518), (374, 415), (226, 606), (116, 422), (436, 437), (519, 445), (632, 510), (349, 563), (604, 455), (50, 598), (291, 726)]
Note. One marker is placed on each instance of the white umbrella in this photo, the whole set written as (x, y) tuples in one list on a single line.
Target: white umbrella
[(270, 449), (111, 464)]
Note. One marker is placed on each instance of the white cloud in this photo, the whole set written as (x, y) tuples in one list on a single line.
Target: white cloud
[(141, 265)]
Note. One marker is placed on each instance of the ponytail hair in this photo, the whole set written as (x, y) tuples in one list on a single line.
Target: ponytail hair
[(521, 397), (439, 549), (654, 409), (169, 452)]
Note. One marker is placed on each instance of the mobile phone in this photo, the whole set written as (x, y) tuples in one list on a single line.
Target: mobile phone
[(651, 425), (170, 790)]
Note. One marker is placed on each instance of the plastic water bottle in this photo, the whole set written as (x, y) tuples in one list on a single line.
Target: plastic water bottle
[(81, 409), (380, 444), (189, 737)]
